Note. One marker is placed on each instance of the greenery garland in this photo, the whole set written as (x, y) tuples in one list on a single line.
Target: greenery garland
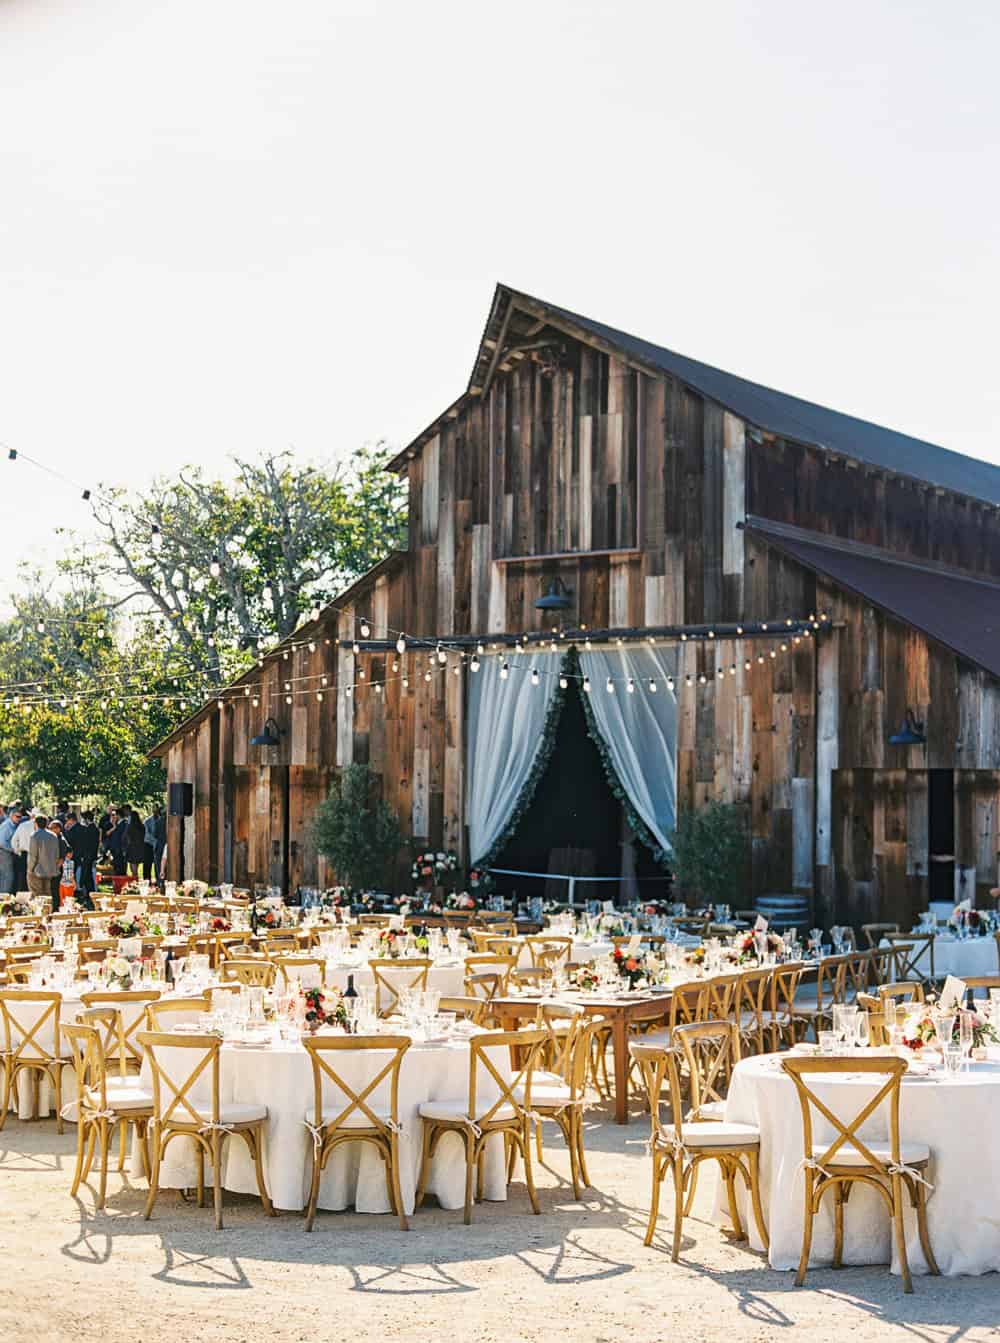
[(638, 826), (539, 765)]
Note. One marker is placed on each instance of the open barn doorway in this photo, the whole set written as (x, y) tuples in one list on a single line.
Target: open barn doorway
[(576, 825)]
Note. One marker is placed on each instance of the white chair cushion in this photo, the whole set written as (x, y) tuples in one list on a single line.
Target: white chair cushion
[(910, 1153), (234, 1113), (715, 1135), (459, 1110), (545, 1096), (660, 1038), (124, 1093), (544, 1079)]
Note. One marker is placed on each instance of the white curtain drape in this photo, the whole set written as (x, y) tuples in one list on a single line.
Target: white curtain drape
[(505, 722), (639, 729)]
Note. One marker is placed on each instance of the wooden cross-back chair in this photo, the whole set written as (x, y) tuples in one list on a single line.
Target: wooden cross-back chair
[(32, 1048), (886, 1165), (548, 950), (129, 1007), (874, 932), (752, 994), (343, 1112), (562, 1097), (872, 1007), (830, 990), (722, 991), (492, 963), (476, 1118), (275, 944), (484, 987), (910, 990), (392, 977), (179, 1111), (689, 1003), (678, 1149), (255, 974), (102, 1103), (711, 1050), (913, 955), (167, 1012), (858, 972), (464, 1006)]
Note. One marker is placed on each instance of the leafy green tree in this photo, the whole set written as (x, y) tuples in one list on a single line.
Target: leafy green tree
[(711, 853), (241, 562), (357, 831)]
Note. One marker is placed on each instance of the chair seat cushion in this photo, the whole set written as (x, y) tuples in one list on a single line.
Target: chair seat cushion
[(124, 1093), (543, 1097), (456, 1111), (660, 1038), (695, 1135), (234, 1113), (910, 1153)]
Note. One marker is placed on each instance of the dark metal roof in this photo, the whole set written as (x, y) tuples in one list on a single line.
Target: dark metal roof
[(790, 416), (961, 612)]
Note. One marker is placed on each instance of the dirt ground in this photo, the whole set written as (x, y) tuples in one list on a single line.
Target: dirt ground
[(579, 1271)]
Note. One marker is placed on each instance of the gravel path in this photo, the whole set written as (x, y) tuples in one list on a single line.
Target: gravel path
[(579, 1272)]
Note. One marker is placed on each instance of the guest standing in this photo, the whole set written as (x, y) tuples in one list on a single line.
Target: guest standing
[(44, 861), (85, 841), (19, 843), (135, 843), (116, 841), (10, 824)]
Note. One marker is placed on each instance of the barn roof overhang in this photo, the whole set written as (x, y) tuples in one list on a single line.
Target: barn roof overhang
[(327, 617), (952, 607)]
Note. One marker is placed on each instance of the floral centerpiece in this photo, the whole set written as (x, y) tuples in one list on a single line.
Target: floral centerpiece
[(969, 920), (323, 1007), (459, 900), (480, 881), (220, 925), (124, 925), (434, 867), (119, 972), (919, 1031), (268, 912), (584, 977), (334, 897), (196, 889), (748, 946), (696, 956), (630, 967), (13, 906)]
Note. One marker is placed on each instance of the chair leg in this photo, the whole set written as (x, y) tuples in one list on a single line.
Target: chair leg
[(424, 1165), (470, 1167), (692, 1190), (106, 1134), (838, 1226), (678, 1168), (201, 1175), (734, 1211), (317, 1174), (537, 1125), (807, 1230), (925, 1240), (897, 1219), (91, 1152), (217, 1178), (122, 1143), (529, 1174), (154, 1175), (581, 1155), (81, 1149), (56, 1076), (753, 1163), (397, 1193)]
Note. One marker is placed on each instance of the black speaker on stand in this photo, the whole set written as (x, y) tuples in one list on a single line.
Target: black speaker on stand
[(180, 802)]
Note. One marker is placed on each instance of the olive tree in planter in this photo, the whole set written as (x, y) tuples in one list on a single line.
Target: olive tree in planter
[(357, 831), (711, 852)]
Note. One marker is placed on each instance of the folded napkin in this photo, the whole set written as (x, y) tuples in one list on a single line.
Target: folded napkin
[(760, 924), (952, 995)]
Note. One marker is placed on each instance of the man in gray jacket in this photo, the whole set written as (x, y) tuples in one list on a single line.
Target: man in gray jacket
[(44, 860)]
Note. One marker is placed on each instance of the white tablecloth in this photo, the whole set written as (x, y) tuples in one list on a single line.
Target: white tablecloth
[(974, 956), (954, 1118), (281, 1078), (448, 979)]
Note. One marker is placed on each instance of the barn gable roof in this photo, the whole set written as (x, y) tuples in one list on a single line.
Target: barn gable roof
[(779, 413)]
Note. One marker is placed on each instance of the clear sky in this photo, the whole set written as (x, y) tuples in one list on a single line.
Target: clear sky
[(235, 225)]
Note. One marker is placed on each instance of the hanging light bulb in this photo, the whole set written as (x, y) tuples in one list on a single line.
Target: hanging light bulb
[(156, 537), (702, 679), (670, 683), (442, 656), (214, 567), (395, 664), (324, 680), (347, 692), (504, 672), (312, 645), (480, 649), (652, 686), (587, 644), (609, 686), (474, 663), (427, 676), (747, 665), (355, 648), (401, 645), (366, 629), (378, 687), (760, 658), (586, 685), (361, 674), (563, 683), (631, 686), (319, 695), (406, 683), (256, 702), (267, 592), (773, 653), (739, 629), (534, 676), (246, 692), (457, 669), (41, 627), (732, 670), (683, 638)]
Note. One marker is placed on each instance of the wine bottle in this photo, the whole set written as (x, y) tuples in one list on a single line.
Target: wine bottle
[(350, 991)]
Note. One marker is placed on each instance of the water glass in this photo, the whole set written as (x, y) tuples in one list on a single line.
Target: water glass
[(828, 1041), (952, 1059)]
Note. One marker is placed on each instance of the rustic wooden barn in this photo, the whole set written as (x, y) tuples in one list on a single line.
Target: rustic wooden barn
[(666, 495)]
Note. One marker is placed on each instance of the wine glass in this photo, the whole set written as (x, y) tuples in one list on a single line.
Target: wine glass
[(965, 1033)]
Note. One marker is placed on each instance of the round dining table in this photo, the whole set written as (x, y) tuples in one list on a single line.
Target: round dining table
[(278, 1074), (953, 1116)]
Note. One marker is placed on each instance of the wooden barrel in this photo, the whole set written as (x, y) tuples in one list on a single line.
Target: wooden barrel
[(784, 911)]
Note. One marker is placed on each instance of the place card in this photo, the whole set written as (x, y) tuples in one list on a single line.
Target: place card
[(952, 995), (634, 943)]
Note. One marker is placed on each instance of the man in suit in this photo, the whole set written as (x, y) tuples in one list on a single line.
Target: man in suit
[(44, 858), (84, 840), (19, 843), (7, 828)]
